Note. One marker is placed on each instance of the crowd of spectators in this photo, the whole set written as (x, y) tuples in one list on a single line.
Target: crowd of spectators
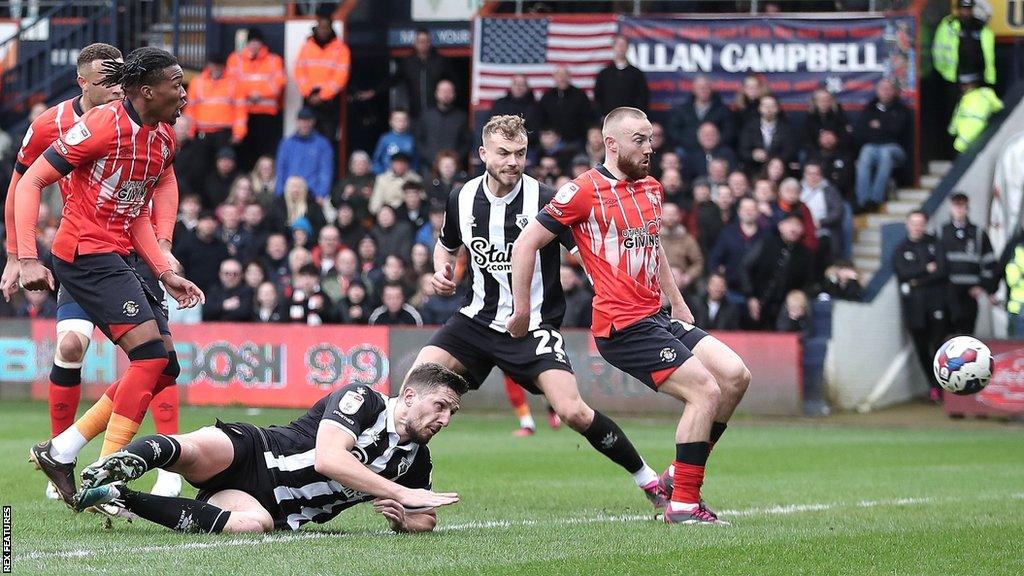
[(758, 206)]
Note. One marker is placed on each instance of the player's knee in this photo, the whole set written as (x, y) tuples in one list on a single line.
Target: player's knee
[(152, 350), (173, 369), (743, 381), (736, 379), (70, 349), (709, 393), (573, 411), (245, 522), (577, 416)]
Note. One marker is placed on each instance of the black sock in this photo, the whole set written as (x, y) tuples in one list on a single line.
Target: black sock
[(181, 514), (717, 429), (693, 453), (158, 450), (606, 436)]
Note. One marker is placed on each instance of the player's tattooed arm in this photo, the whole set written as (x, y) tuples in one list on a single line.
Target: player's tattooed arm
[(524, 257), (680, 310)]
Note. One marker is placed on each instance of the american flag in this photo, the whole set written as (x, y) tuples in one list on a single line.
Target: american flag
[(503, 47)]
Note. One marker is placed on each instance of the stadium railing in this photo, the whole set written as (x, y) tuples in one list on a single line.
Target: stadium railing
[(44, 50)]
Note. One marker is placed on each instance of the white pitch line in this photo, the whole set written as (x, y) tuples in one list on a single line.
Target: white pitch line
[(781, 510)]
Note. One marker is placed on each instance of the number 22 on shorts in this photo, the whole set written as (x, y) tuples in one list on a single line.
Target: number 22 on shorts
[(546, 337)]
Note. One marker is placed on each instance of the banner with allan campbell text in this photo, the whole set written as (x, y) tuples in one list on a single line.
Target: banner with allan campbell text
[(793, 55)]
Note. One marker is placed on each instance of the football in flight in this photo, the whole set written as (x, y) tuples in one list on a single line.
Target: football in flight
[(963, 365)]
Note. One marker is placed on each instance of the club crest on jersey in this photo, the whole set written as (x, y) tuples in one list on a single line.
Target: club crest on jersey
[(77, 134), (404, 464), (351, 402), (489, 257), (522, 220), (566, 192)]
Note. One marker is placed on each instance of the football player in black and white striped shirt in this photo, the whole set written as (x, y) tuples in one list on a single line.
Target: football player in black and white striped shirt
[(354, 445), (486, 216)]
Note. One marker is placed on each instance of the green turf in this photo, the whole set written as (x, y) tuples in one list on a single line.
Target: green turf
[(804, 497)]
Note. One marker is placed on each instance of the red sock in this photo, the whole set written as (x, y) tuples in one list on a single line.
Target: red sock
[(136, 387), (64, 393), (131, 398), (63, 402), (516, 394), (164, 406), (686, 482), (112, 389)]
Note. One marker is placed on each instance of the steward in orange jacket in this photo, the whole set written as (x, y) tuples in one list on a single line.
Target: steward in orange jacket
[(261, 79), (216, 104), (321, 73)]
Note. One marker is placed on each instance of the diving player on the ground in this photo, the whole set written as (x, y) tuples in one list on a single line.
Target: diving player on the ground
[(352, 446)]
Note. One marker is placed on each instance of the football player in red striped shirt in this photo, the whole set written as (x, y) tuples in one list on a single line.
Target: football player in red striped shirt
[(118, 160), (614, 212), (74, 328)]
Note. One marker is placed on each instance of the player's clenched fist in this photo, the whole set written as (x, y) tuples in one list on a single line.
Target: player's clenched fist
[(444, 281), (518, 324)]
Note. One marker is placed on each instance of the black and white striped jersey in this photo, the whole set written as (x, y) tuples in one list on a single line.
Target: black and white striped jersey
[(368, 416), (487, 226)]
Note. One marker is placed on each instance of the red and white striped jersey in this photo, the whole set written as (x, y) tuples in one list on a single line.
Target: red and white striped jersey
[(46, 128), (615, 224), (115, 163)]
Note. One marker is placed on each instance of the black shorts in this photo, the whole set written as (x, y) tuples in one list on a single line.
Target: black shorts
[(248, 470), (111, 292), (149, 280), (480, 349), (651, 349)]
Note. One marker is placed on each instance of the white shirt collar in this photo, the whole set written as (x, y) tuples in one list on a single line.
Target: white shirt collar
[(507, 198), (391, 427)]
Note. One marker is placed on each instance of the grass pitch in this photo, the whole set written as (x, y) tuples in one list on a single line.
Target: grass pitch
[(805, 497)]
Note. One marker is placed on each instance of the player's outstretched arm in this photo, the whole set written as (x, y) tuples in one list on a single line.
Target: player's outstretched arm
[(403, 520), (334, 460), (680, 310), (524, 257)]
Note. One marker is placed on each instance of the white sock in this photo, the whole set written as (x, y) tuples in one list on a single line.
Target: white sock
[(687, 506), (160, 473), (527, 422), (66, 446), (645, 476)]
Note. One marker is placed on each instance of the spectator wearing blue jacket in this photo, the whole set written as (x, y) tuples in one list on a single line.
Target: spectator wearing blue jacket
[(726, 257), (399, 139), (306, 154)]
